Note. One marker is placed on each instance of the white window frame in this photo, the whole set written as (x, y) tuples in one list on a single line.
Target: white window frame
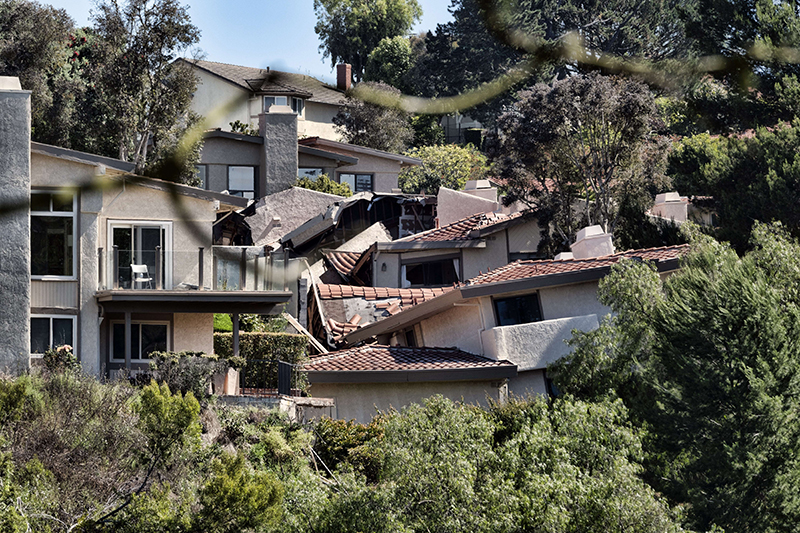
[(138, 322), (50, 344), (65, 214), (165, 224), (300, 103)]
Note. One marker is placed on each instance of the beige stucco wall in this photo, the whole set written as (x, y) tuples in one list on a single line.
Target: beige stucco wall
[(527, 383), (495, 255), (219, 101), (452, 205), (194, 332), (362, 401), (524, 237), (459, 326), (571, 300), (384, 171), (317, 121)]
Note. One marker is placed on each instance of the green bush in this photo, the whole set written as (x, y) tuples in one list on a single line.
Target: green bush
[(61, 359), (287, 347), (187, 371), (343, 441), (223, 322)]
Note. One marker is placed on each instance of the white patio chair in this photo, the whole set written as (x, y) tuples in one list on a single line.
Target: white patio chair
[(141, 277)]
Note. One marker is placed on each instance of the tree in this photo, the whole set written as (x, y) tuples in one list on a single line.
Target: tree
[(372, 125), (587, 137), (324, 184), (448, 166), (707, 360), (350, 29), (390, 61), (142, 92)]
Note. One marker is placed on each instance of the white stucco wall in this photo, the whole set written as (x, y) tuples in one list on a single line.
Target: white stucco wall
[(193, 331), (384, 171), (528, 382), (219, 101), (452, 205), (317, 121), (534, 345), (571, 300), (524, 237), (495, 255), (362, 401)]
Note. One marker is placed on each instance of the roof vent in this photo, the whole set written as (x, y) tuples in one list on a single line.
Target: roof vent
[(592, 242)]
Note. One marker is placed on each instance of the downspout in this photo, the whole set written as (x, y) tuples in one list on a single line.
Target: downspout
[(483, 321)]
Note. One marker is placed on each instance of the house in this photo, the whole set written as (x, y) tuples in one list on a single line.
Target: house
[(371, 171), (678, 209), (113, 264), (364, 379), (521, 312), (229, 93)]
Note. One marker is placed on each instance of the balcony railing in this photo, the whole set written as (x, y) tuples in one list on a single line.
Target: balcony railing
[(536, 344), (270, 377), (222, 268)]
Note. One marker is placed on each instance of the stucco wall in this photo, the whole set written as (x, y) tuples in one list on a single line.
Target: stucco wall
[(220, 101), (219, 153), (524, 237), (317, 121), (454, 205), (362, 401), (384, 171), (458, 326), (495, 255), (527, 383), (15, 130), (536, 344), (571, 300), (193, 331), (279, 153), (389, 277)]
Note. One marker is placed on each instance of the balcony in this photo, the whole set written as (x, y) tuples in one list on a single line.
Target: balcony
[(534, 345), (222, 268), (223, 279)]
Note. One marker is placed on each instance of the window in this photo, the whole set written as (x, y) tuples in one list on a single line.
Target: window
[(51, 331), (298, 104), (139, 243), (411, 339), (242, 181), (517, 310), (146, 338), (437, 273), (310, 173), (274, 100), (53, 235), (357, 182), (202, 171)]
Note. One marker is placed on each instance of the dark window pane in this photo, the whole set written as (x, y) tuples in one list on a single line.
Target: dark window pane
[(518, 310), (62, 202), (40, 335), (363, 182), (40, 202), (51, 246), (431, 274), (118, 349), (62, 331), (154, 339)]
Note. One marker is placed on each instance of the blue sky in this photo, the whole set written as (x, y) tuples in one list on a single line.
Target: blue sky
[(263, 33)]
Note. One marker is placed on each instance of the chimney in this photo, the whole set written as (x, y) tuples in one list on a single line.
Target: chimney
[(671, 205), (15, 255), (344, 76), (592, 242)]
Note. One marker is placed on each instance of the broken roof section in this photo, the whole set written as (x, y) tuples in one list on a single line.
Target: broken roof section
[(267, 81), (404, 364)]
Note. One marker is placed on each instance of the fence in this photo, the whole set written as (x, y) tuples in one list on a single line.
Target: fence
[(271, 377)]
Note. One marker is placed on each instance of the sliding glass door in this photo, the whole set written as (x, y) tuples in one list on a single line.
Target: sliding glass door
[(139, 244)]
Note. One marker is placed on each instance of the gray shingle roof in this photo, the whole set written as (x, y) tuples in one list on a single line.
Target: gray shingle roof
[(274, 82)]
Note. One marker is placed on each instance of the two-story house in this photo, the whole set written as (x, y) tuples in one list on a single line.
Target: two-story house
[(115, 265)]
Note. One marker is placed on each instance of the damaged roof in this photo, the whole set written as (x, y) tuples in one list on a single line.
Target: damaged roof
[(377, 363), (469, 228)]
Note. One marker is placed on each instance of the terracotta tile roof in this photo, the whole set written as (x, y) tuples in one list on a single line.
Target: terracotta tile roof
[(406, 296), (532, 268), (343, 262), (464, 229), (377, 357)]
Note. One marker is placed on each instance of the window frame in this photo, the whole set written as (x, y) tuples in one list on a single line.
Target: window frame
[(61, 214), (298, 105), (496, 311), (166, 226), (73, 318), (354, 189), (302, 172), (233, 192), (405, 263), (111, 357)]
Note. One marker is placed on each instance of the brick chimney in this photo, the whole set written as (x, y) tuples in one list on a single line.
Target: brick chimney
[(344, 76)]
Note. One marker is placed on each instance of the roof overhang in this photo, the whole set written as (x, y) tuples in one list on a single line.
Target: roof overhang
[(403, 246), (436, 305), (219, 134), (413, 376), (318, 142), (189, 301), (82, 157)]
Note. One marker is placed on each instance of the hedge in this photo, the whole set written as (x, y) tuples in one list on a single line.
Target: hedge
[(288, 347)]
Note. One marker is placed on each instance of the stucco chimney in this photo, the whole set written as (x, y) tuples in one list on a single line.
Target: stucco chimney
[(15, 254), (278, 169), (592, 242), (671, 205), (344, 76)]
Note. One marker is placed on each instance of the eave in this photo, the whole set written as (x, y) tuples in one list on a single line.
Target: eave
[(190, 301)]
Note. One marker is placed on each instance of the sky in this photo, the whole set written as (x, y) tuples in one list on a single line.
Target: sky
[(262, 33)]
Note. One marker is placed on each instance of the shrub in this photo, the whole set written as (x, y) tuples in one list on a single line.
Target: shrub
[(186, 371), (287, 347), (342, 441), (61, 359)]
